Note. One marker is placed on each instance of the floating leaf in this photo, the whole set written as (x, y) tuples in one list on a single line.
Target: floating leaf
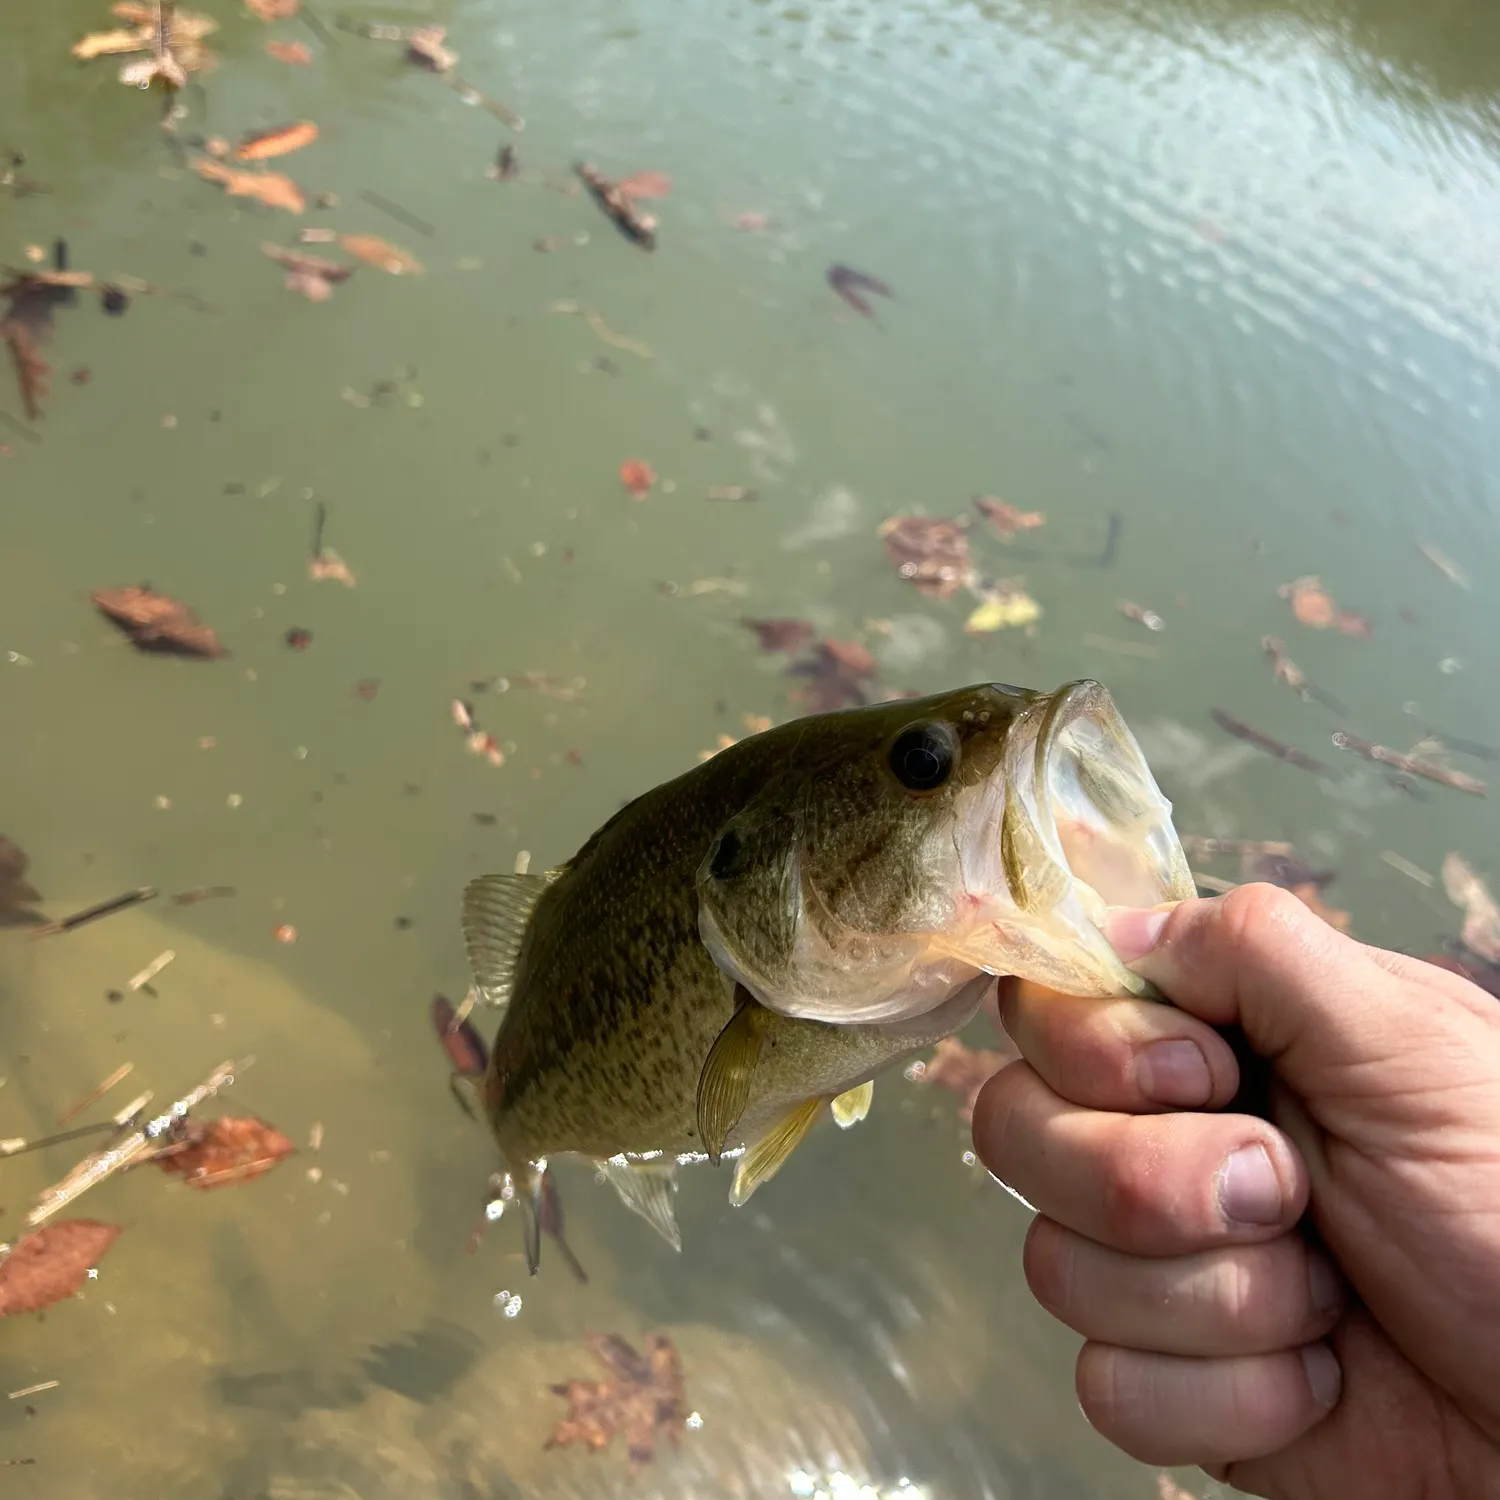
[(226, 1151), (328, 567), (290, 52), (1003, 607), (637, 476), (932, 554), (1481, 929), (646, 185), (52, 1263), (377, 252), (1005, 518), (280, 140), (270, 188), (155, 622), (274, 10), (313, 276), (16, 892), (641, 1396)]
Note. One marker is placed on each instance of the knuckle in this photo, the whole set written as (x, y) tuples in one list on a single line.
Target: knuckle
[(1256, 914), (1133, 1209)]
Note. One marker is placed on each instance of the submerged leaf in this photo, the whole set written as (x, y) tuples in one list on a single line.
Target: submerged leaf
[(1003, 606), (961, 1070), (270, 188), (780, 635), (1005, 518), (109, 43), (834, 675), (155, 622), (52, 1263), (424, 46), (290, 52), (274, 10), (311, 275), (226, 1151), (380, 253), (641, 1396), (280, 140), (646, 185), (931, 553), (637, 476), (1481, 929)]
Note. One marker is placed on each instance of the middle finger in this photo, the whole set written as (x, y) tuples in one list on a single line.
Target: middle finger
[(1147, 1184)]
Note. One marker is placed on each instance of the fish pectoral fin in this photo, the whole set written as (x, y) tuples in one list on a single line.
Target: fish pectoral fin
[(496, 911), (851, 1107), (728, 1071), (465, 1088), (647, 1188), (763, 1158)]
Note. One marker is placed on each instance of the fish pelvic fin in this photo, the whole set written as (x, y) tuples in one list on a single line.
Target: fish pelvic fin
[(728, 1071), (763, 1159), (647, 1188), (496, 911), (530, 1191), (851, 1107), (465, 1088)]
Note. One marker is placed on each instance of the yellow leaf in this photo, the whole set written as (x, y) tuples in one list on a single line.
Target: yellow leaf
[(1000, 611), (271, 188), (375, 251)]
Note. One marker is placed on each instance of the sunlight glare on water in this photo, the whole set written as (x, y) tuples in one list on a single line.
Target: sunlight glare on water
[(1222, 269)]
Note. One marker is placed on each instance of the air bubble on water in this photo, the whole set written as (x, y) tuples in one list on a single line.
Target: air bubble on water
[(508, 1303), (969, 1158), (694, 1421)]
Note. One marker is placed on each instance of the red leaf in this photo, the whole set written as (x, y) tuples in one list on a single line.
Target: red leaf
[(637, 476), (231, 1149), (52, 1263)]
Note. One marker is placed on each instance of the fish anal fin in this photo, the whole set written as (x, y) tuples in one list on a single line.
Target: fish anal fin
[(763, 1159), (647, 1188), (496, 911), (851, 1107), (728, 1072)]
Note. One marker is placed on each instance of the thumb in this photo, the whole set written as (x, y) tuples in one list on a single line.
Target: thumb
[(1305, 996)]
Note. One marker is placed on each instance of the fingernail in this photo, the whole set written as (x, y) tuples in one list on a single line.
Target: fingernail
[(1174, 1072), (1132, 931), (1249, 1190), (1324, 1286), (1324, 1378)]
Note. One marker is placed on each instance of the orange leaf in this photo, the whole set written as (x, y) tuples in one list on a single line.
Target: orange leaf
[(33, 373), (271, 188), (290, 52), (375, 251), (261, 145), (646, 185), (231, 1149), (105, 43), (274, 10), (637, 476), (51, 1263)]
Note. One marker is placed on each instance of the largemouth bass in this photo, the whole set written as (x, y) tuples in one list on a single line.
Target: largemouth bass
[(741, 950)]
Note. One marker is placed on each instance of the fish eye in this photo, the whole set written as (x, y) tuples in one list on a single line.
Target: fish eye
[(722, 856), (923, 756)]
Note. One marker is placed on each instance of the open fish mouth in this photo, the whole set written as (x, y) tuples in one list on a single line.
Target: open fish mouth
[(1085, 827)]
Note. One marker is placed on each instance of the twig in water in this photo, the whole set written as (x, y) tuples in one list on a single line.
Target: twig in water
[(93, 913), (18, 1145), (33, 1390), (1383, 755), (142, 981), (94, 1095), (401, 215), (1293, 757)]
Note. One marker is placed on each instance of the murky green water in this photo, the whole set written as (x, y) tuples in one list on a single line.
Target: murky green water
[(1223, 268)]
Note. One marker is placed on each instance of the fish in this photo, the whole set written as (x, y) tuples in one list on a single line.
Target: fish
[(739, 952), (849, 283)]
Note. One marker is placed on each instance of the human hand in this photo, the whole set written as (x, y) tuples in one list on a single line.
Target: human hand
[(1216, 1334)]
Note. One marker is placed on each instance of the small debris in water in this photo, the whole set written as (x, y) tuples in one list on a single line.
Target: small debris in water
[(97, 1093), (298, 638), (295, 53), (1313, 606), (642, 1397), (103, 909), (1005, 518), (633, 222), (849, 283), (1409, 765), (284, 932), (1141, 615), (780, 634), (157, 964), (638, 477), (279, 140), (1293, 757)]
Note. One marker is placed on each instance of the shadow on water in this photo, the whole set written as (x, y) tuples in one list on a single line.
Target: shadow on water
[(1219, 270)]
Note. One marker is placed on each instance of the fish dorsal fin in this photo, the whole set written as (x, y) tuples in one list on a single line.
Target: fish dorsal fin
[(647, 1188), (496, 911), (729, 1070), (851, 1107), (763, 1160)]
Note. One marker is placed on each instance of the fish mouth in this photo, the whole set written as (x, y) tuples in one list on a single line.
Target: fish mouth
[(1084, 828)]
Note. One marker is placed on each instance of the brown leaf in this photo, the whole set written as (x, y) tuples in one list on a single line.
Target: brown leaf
[(780, 635), (329, 567), (226, 1151), (1005, 518), (932, 554), (377, 252), (642, 1396), (1481, 930), (155, 622), (109, 43), (312, 275), (270, 188), (274, 10), (33, 373), (961, 1070), (16, 892), (834, 675), (52, 1263), (280, 140), (290, 52)]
